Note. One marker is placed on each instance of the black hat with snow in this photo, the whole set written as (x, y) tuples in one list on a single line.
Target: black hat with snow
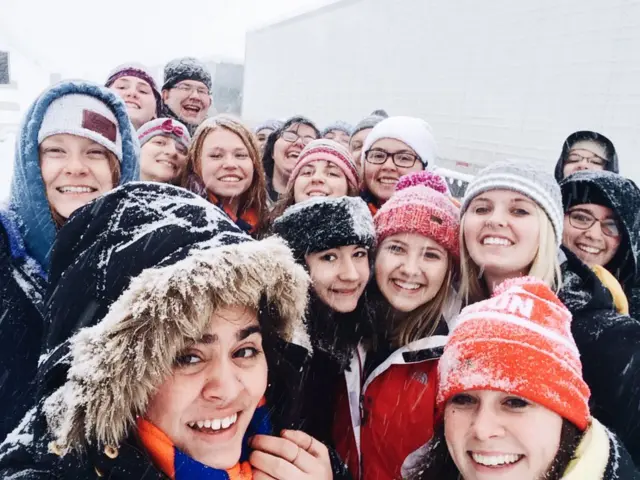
[(186, 68), (622, 196), (582, 136), (320, 224), (134, 276)]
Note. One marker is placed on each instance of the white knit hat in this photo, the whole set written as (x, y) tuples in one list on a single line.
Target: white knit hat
[(413, 131), (533, 182), (84, 116)]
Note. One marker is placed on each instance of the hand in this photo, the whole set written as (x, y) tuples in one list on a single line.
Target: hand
[(293, 456)]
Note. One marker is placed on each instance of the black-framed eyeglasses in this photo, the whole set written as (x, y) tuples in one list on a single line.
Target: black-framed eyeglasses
[(293, 137), (584, 221), (574, 157), (378, 156)]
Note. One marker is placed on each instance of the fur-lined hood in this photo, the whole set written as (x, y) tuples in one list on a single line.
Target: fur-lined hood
[(163, 254)]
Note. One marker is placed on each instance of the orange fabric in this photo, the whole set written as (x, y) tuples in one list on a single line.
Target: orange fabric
[(242, 471), (519, 342), (250, 216), (159, 447), (394, 425)]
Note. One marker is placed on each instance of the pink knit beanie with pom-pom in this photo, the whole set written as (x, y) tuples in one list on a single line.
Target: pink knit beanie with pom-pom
[(420, 206)]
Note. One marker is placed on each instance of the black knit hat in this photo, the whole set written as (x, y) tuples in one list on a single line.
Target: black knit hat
[(128, 272), (320, 224), (612, 157), (187, 68)]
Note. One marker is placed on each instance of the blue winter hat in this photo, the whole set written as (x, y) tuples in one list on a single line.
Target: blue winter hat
[(28, 199)]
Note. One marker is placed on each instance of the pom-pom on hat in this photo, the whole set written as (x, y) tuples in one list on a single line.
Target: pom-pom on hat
[(84, 116), (532, 182), (417, 208), (164, 126), (426, 178), (320, 224), (518, 342), (330, 151), (414, 132)]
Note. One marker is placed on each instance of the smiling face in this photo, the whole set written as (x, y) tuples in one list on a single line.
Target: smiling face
[(162, 159), (206, 405), (227, 168), (189, 100), (339, 276), (501, 231), (410, 270), (138, 97), (356, 143), (75, 171), (338, 136), (585, 155), (320, 178), (262, 137), (591, 244), (285, 153), (381, 179), (493, 435)]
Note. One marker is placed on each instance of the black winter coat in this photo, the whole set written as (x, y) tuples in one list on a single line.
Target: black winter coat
[(21, 329), (609, 345)]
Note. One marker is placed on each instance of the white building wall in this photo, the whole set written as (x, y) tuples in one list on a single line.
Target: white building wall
[(496, 80)]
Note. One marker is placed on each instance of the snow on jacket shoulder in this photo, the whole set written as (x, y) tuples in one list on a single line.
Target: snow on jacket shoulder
[(600, 456), (380, 420), (609, 345), (21, 325)]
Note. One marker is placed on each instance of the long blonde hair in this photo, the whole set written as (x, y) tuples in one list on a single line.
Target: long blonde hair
[(423, 321), (256, 196), (545, 265)]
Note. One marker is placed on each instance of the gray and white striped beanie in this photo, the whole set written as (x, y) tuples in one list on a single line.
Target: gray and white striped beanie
[(532, 182)]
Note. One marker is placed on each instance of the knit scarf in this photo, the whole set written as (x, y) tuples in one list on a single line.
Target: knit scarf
[(177, 465), (247, 221)]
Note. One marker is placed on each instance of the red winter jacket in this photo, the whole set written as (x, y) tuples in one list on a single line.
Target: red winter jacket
[(382, 419)]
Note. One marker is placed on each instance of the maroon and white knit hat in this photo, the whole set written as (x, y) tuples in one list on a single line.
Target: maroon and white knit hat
[(330, 151), (164, 126), (417, 208), (139, 71)]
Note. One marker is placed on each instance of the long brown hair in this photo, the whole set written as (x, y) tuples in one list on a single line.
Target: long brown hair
[(436, 463), (114, 163), (255, 198)]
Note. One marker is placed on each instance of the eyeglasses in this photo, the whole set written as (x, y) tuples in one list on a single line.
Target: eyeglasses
[(594, 160), (202, 91), (400, 159), (584, 221), (292, 137)]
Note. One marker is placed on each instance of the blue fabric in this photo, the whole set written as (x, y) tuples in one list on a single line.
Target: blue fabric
[(28, 199)]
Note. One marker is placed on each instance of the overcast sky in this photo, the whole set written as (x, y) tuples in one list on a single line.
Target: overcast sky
[(81, 38)]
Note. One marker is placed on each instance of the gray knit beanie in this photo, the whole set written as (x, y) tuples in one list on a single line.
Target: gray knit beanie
[(338, 125), (367, 122), (533, 182)]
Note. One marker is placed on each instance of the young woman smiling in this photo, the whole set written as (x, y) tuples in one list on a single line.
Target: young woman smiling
[(76, 144), (415, 265), (163, 151), (180, 359), (512, 225), (324, 169), (395, 147), (511, 398), (334, 239), (225, 166), (282, 150)]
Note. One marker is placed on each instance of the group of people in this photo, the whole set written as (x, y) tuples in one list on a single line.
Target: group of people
[(183, 296)]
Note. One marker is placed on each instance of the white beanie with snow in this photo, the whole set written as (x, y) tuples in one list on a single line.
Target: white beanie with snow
[(413, 131)]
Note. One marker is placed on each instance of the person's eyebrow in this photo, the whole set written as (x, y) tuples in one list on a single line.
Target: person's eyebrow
[(246, 332)]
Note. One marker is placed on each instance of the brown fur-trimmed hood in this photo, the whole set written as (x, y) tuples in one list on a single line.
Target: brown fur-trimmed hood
[(117, 362)]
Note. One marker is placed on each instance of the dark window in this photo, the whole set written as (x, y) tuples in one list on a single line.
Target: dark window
[(4, 68)]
